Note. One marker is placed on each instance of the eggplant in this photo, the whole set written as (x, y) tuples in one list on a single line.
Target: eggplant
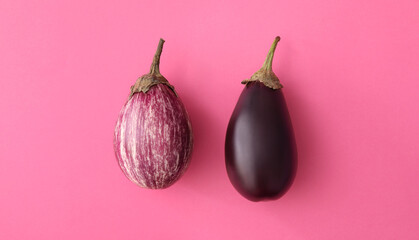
[(260, 148), (153, 137)]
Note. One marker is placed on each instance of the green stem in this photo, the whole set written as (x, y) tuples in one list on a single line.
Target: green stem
[(154, 69), (267, 65)]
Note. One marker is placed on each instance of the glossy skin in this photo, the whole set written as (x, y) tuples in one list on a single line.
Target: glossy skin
[(260, 149)]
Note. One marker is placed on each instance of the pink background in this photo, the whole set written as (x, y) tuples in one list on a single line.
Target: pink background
[(350, 71)]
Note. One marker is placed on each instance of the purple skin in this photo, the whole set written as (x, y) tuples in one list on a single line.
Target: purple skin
[(260, 148), (153, 138)]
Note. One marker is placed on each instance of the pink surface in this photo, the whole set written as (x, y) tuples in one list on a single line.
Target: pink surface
[(350, 71)]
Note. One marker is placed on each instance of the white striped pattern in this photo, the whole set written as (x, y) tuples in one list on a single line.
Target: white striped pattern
[(153, 138)]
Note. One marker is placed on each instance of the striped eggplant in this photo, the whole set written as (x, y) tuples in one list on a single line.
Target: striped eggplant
[(260, 150), (153, 136)]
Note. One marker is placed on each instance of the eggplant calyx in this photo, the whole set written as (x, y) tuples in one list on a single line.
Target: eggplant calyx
[(145, 82), (265, 74)]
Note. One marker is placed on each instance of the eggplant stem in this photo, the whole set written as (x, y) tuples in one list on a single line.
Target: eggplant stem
[(265, 74), (155, 66), (267, 65)]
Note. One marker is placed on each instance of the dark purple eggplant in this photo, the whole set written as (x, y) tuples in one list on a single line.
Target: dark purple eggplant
[(260, 149)]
